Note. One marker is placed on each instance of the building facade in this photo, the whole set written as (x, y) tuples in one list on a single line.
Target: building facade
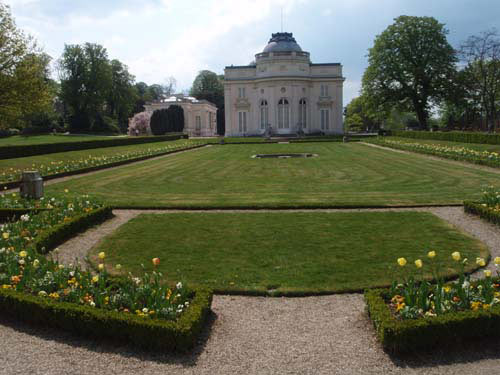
[(200, 116), (283, 93)]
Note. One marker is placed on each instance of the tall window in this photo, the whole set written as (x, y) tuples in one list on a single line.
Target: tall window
[(242, 121), (324, 90), (283, 114), (241, 92), (264, 114), (302, 113), (198, 122), (210, 124), (325, 119)]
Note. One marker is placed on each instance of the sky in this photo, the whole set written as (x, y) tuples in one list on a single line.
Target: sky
[(158, 39)]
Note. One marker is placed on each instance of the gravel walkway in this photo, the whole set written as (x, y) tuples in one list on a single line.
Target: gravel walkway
[(252, 335)]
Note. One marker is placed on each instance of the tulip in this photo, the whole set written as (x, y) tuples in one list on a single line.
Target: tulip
[(156, 261), (118, 267), (402, 262), (23, 254), (95, 279), (456, 256), (487, 273), (497, 261), (419, 263), (102, 255), (431, 254), (480, 262), (101, 267), (36, 263)]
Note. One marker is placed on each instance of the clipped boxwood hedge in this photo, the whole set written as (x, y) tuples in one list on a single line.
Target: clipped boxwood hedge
[(483, 212), (156, 334), (56, 235), (453, 136), (17, 151), (400, 336)]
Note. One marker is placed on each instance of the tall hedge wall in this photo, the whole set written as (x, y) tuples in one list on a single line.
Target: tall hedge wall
[(454, 136), (10, 152)]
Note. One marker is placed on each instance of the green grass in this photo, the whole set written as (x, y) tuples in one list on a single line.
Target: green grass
[(46, 159), (472, 146), (19, 140), (292, 253), (342, 175)]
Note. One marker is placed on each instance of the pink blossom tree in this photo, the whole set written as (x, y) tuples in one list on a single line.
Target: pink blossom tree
[(139, 124)]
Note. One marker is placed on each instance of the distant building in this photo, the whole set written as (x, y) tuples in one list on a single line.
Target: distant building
[(283, 92), (200, 116)]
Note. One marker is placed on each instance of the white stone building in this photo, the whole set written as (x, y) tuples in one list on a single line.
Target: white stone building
[(200, 116), (283, 92)]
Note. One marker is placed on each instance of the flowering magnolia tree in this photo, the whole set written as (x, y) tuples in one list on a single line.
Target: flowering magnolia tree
[(139, 124)]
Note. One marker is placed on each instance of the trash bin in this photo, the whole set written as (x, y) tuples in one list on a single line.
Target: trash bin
[(31, 185)]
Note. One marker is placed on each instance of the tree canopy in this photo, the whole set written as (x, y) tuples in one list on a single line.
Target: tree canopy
[(410, 66), (210, 86)]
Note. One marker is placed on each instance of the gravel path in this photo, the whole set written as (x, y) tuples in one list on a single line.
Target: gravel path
[(252, 335)]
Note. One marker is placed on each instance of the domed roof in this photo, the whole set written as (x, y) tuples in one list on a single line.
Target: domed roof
[(282, 42)]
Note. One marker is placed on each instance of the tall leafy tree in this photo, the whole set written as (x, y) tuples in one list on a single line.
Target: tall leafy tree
[(482, 55), (24, 75), (209, 86), (410, 66), (360, 115), (122, 95)]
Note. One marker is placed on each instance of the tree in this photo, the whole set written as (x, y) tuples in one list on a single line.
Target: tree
[(360, 115), (209, 86), (410, 65), (122, 96), (482, 55), (140, 124), (176, 119), (24, 75), (159, 122), (86, 83)]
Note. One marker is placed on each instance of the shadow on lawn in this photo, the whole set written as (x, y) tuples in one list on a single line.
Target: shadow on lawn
[(456, 353), (110, 347)]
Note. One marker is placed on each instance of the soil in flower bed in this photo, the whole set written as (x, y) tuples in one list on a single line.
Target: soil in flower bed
[(284, 252)]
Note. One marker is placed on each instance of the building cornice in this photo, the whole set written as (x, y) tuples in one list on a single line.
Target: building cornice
[(281, 78)]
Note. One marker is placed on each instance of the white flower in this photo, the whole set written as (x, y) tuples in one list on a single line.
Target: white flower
[(25, 217), (21, 262), (92, 304), (178, 285), (145, 310), (136, 280), (72, 273), (465, 285), (2, 250), (61, 266)]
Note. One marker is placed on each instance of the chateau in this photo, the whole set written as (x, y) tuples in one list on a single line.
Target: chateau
[(283, 92)]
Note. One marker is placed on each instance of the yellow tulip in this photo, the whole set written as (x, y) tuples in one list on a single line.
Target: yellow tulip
[(402, 262), (95, 279), (118, 267), (480, 262), (101, 267), (487, 273), (431, 254), (419, 263), (497, 261), (102, 255), (456, 256), (23, 254), (5, 235)]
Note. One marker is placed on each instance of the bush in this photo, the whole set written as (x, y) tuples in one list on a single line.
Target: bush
[(453, 136), (398, 336), (176, 119), (156, 334), (9, 152), (159, 122)]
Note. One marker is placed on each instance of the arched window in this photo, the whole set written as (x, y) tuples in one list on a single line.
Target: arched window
[(283, 114), (302, 113), (264, 114)]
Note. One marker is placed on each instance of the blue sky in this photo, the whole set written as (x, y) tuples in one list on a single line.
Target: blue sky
[(162, 38)]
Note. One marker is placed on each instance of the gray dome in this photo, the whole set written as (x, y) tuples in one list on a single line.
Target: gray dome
[(282, 42)]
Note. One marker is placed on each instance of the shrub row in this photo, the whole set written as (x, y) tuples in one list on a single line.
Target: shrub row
[(400, 336), (483, 212), (453, 136), (156, 334), (16, 151), (56, 235)]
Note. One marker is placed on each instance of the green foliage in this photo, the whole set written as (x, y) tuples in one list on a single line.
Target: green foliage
[(454, 136), (9, 152), (360, 115), (24, 75), (410, 66), (492, 214), (209, 86), (175, 118), (159, 122), (412, 335)]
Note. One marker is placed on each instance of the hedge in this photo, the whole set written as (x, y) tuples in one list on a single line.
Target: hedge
[(400, 336), (453, 136), (483, 212), (156, 334), (58, 234), (16, 151)]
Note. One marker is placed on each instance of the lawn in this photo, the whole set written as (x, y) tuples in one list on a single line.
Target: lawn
[(47, 159), (291, 253), (19, 140), (342, 175)]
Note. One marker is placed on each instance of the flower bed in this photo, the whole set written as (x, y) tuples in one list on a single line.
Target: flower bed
[(489, 206), (491, 159), (417, 314), (34, 288), (453, 136), (11, 178)]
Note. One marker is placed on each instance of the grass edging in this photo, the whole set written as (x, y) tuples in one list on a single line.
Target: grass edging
[(56, 235), (484, 212), (402, 336), (162, 335), (16, 184), (12, 152)]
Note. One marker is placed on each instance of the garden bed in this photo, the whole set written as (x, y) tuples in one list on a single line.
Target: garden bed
[(400, 336), (491, 214)]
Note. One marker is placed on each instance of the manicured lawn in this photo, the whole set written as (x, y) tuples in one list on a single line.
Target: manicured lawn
[(19, 140), (472, 146), (342, 175), (46, 159), (292, 253)]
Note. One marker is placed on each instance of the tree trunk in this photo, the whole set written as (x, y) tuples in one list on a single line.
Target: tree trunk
[(421, 117)]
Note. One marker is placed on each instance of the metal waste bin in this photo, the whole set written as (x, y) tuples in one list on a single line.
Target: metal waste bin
[(31, 185)]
